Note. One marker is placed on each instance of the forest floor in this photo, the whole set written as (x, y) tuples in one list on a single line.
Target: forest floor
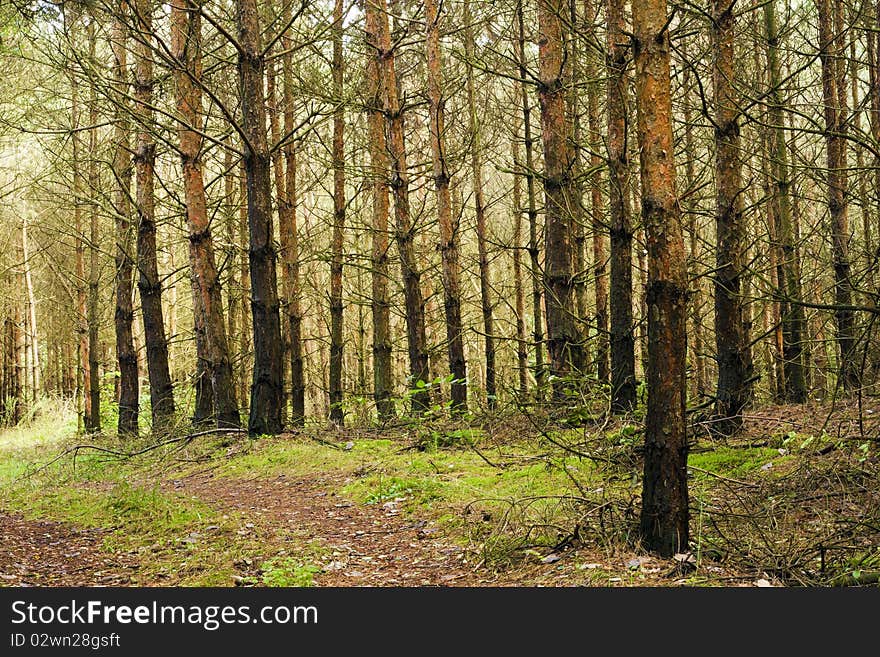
[(507, 501)]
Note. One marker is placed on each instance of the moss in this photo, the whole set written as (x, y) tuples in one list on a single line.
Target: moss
[(301, 457), (734, 462)]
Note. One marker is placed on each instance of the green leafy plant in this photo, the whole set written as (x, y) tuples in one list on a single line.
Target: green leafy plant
[(287, 571)]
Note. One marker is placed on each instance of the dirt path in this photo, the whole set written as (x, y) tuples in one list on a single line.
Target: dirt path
[(42, 553), (359, 544), (362, 545), (366, 544)]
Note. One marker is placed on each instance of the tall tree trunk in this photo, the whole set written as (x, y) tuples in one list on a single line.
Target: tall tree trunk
[(375, 81), (597, 208), (450, 271), (290, 230), (31, 308), (21, 340), (82, 399), (149, 283), (874, 93), (522, 350), (430, 313), (337, 412), (696, 303), (864, 203), (641, 294), (232, 285), (793, 320), (186, 46), (576, 28), (361, 338), (834, 97), (404, 230), (126, 355), (245, 277), (534, 250), (664, 515), (563, 343), (266, 388), (480, 211), (94, 418), (731, 339), (19, 383), (623, 359), (273, 104)]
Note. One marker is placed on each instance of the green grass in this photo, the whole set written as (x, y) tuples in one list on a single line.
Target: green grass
[(379, 488), (49, 423), (735, 462), (287, 571), (273, 456), (500, 498), (178, 540)]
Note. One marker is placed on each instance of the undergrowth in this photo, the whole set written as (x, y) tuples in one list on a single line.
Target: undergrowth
[(777, 502)]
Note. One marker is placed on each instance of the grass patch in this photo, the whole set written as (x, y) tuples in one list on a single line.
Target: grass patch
[(122, 507), (273, 456), (508, 493), (176, 539), (49, 422), (733, 462), (288, 571), (380, 488)]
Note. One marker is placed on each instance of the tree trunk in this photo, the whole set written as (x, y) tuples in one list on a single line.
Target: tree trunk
[(186, 45), (232, 285), (597, 208), (266, 388), (245, 277), (412, 291), (563, 339), (480, 211), (82, 399), (93, 423), (835, 104), (623, 359), (290, 232), (522, 351), (20, 342), (449, 253), (337, 412), (793, 321), (149, 283), (31, 309), (534, 250), (18, 366), (273, 105), (664, 514), (874, 93), (731, 339), (576, 28), (126, 355), (361, 338), (864, 204), (382, 376), (696, 303)]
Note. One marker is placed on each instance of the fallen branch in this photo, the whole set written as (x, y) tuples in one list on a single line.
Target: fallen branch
[(722, 477), (482, 456), (121, 455)]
